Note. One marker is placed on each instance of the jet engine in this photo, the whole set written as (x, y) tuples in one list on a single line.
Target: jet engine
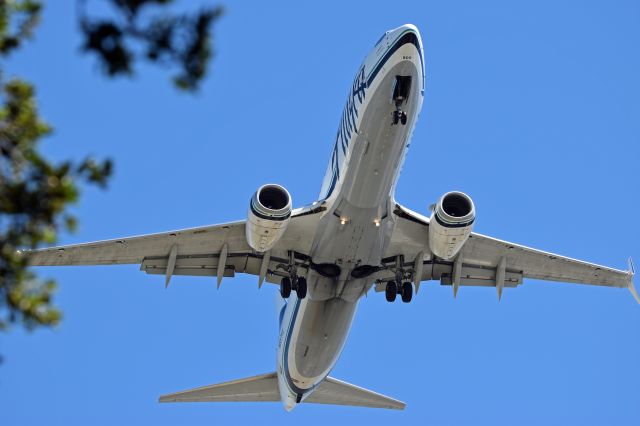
[(451, 223), (268, 218)]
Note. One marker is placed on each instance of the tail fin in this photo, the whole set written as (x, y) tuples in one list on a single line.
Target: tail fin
[(265, 388)]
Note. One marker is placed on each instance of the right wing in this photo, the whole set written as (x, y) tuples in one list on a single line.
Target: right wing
[(487, 261), (194, 251)]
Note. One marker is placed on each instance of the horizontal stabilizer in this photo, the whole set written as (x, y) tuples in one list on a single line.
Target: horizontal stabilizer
[(265, 388), (256, 388), (337, 392)]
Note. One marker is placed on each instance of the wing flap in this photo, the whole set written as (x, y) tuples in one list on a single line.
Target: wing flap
[(471, 275)]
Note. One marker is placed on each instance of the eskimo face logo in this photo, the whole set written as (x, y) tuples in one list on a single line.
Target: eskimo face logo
[(354, 100), (348, 122), (346, 129)]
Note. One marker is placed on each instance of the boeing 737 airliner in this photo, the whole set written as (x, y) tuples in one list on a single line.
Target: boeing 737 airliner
[(356, 237)]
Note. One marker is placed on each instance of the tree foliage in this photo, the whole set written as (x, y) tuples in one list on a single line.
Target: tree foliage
[(176, 40), (35, 193)]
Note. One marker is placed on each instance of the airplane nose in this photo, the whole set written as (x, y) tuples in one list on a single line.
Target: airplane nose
[(396, 32), (403, 28), (407, 27)]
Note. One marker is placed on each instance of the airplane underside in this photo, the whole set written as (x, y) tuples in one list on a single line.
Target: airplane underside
[(327, 255), (354, 232)]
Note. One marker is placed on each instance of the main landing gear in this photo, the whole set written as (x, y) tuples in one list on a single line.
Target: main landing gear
[(405, 291), (292, 281), (299, 284), (401, 285)]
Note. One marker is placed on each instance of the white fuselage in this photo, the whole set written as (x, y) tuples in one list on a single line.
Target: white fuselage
[(355, 228)]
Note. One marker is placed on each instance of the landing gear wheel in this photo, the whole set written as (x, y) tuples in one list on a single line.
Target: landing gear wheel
[(391, 291), (403, 118), (285, 287), (396, 117), (407, 292), (301, 287)]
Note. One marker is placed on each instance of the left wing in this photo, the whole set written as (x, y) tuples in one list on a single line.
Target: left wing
[(194, 251), (486, 261)]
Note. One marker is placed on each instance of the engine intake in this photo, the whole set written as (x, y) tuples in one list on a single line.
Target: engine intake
[(268, 217), (451, 224)]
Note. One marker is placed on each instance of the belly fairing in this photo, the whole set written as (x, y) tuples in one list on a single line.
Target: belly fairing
[(317, 339)]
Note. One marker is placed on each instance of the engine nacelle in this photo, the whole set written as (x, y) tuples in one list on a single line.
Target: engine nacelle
[(269, 214), (451, 224)]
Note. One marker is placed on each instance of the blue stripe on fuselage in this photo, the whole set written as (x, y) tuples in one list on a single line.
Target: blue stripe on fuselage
[(406, 37), (347, 128), (285, 353), (355, 99)]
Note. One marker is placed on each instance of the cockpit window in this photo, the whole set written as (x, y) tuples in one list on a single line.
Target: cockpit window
[(381, 38)]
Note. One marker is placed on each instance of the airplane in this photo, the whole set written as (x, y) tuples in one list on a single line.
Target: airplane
[(326, 256)]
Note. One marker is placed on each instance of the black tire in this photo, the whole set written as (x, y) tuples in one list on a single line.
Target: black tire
[(396, 117), (407, 292), (391, 291), (403, 118), (301, 287), (285, 287)]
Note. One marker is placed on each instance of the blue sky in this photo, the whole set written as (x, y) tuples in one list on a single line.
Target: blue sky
[(532, 109)]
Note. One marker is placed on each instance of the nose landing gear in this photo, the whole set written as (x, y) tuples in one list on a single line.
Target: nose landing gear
[(399, 116), (401, 90)]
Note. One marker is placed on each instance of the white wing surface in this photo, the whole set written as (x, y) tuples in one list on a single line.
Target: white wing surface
[(195, 241), (194, 251), (486, 261)]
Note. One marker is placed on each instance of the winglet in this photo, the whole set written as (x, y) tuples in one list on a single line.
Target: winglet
[(630, 286)]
